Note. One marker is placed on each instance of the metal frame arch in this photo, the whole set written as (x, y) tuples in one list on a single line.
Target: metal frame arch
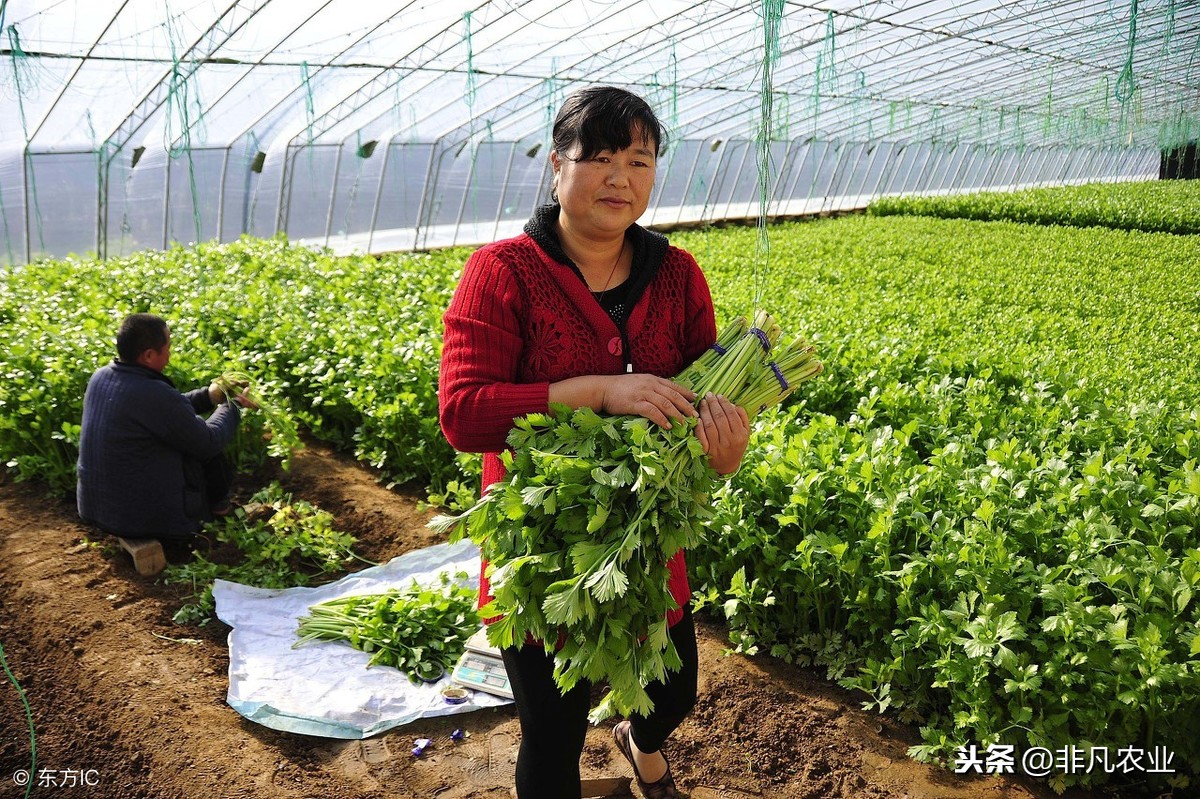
[(209, 42)]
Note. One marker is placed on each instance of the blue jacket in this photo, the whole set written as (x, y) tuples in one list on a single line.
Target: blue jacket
[(141, 451)]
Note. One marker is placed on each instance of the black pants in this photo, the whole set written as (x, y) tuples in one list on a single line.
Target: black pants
[(218, 479), (209, 482), (553, 726)]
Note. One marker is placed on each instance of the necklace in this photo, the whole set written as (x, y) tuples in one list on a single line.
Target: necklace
[(600, 296)]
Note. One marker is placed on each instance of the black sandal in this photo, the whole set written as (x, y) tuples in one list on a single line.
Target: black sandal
[(664, 787)]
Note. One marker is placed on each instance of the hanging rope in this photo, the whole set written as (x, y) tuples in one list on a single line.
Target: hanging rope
[(8, 237), (179, 101), (1169, 29), (252, 201), (1048, 116), (310, 118), (772, 16), (673, 112), (470, 93), (862, 106), (781, 108), (1125, 83), (25, 82), (471, 198), (362, 152), (553, 100)]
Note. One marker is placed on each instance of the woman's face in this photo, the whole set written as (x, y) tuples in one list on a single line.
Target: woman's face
[(605, 194)]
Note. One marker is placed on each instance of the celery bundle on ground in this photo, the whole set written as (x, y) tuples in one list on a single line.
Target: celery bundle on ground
[(280, 542), (578, 536), (422, 631)]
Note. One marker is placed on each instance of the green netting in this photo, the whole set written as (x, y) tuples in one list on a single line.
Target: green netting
[(25, 83)]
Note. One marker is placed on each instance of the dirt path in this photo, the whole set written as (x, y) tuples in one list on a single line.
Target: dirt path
[(127, 701)]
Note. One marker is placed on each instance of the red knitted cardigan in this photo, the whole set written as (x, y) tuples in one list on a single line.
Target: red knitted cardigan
[(520, 320)]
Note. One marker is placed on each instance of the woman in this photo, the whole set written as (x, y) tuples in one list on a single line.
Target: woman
[(587, 308)]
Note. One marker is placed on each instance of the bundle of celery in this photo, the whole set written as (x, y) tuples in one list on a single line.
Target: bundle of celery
[(285, 437), (421, 631), (579, 534)]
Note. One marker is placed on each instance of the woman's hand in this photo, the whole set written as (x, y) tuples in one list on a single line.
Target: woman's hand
[(656, 398), (724, 431)]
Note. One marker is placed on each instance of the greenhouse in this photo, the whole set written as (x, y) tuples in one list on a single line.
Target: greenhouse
[(132, 124), (365, 434)]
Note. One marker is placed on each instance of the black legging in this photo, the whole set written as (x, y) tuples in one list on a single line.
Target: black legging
[(553, 726)]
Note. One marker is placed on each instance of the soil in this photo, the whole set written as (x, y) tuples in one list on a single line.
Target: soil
[(134, 705)]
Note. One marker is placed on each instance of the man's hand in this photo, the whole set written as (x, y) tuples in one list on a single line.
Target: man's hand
[(244, 400), (215, 393), (218, 396), (724, 431)]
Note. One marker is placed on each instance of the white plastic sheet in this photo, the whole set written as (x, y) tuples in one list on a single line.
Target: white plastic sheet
[(326, 689)]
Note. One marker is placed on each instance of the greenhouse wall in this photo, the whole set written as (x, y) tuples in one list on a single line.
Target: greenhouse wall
[(134, 124), (402, 195)]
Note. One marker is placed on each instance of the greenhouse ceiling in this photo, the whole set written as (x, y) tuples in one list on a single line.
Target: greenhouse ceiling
[(103, 85)]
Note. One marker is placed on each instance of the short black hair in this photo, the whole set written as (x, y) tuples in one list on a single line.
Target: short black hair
[(140, 332), (605, 118)]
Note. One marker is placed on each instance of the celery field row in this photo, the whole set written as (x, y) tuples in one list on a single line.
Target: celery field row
[(985, 514), (1167, 206)]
